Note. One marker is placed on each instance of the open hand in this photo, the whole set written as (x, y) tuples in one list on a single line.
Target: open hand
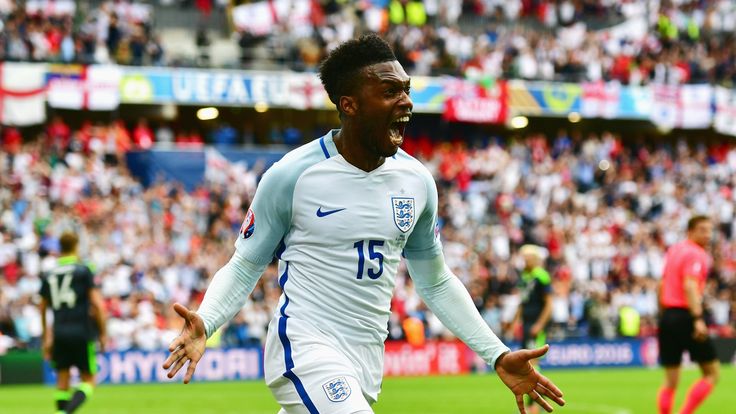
[(516, 371), (188, 346)]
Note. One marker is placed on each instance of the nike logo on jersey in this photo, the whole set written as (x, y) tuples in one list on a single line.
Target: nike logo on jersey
[(321, 213)]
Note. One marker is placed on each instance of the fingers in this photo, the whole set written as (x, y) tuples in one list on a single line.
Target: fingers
[(520, 404), (181, 310), (536, 353), (173, 357), (541, 401), (178, 342), (549, 394), (177, 366), (190, 370), (550, 386)]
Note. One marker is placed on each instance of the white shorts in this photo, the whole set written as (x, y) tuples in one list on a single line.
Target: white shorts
[(309, 373)]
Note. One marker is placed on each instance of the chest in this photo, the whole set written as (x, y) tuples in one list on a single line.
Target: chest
[(531, 290), (339, 207)]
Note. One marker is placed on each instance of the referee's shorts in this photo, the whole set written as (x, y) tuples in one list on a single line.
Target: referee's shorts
[(676, 336)]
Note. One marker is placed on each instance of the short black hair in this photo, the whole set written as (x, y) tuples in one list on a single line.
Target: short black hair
[(695, 220), (339, 70)]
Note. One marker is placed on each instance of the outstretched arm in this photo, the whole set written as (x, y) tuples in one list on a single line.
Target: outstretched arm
[(228, 291), (446, 296), (225, 296)]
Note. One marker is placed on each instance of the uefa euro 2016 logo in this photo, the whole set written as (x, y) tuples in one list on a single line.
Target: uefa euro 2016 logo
[(249, 224), (403, 212), (337, 389)]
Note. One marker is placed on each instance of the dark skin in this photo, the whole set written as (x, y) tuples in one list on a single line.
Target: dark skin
[(365, 140), (367, 115)]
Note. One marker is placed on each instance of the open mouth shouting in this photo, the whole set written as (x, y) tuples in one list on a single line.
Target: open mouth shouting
[(397, 128)]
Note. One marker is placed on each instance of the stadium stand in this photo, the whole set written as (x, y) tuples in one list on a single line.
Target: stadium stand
[(604, 211), (574, 41)]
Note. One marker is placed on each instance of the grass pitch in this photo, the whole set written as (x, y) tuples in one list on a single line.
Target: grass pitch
[(609, 391)]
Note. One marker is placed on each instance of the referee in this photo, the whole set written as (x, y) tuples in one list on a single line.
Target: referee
[(681, 324)]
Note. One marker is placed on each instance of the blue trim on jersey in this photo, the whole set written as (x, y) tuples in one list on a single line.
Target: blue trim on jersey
[(324, 147), (280, 250), (288, 360)]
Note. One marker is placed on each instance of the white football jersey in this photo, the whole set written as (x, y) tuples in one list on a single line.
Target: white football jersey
[(339, 233)]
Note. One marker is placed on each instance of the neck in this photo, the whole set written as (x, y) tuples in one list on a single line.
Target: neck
[(348, 144)]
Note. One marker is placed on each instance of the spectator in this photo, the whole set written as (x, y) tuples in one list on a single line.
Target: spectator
[(143, 135), (606, 235)]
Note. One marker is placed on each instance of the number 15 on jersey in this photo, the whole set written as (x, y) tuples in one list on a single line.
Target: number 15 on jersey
[(372, 255)]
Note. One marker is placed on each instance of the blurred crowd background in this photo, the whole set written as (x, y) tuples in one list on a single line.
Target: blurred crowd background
[(605, 210), (630, 41), (605, 205)]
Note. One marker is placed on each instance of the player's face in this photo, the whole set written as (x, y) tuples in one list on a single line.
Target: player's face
[(384, 107), (530, 261), (702, 233)]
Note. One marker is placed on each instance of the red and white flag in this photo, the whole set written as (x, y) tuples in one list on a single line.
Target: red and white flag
[(469, 102), (682, 106), (600, 99), (95, 87), (22, 93), (306, 91), (725, 117)]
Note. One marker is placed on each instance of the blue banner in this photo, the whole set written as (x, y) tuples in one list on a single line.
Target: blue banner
[(186, 167), (223, 87), (616, 353), (130, 367), (248, 88)]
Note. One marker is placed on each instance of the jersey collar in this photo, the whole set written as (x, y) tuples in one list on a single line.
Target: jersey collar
[(65, 260), (328, 144), (696, 245)]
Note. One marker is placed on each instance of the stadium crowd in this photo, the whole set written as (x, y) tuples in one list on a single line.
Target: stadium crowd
[(605, 213), (71, 32), (633, 42)]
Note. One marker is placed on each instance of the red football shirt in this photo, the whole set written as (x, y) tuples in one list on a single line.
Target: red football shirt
[(685, 258)]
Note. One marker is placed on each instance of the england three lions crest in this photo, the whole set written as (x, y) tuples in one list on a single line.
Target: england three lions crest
[(337, 389), (404, 212)]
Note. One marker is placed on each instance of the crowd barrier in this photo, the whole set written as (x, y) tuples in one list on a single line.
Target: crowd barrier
[(401, 359), (130, 367)]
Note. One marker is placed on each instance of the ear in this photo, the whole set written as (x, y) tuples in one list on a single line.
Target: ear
[(348, 105)]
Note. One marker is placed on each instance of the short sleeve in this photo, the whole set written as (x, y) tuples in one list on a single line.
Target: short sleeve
[(268, 218), (697, 265), (545, 281), (424, 241)]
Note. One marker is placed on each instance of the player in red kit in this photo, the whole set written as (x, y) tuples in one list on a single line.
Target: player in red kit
[(681, 324)]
